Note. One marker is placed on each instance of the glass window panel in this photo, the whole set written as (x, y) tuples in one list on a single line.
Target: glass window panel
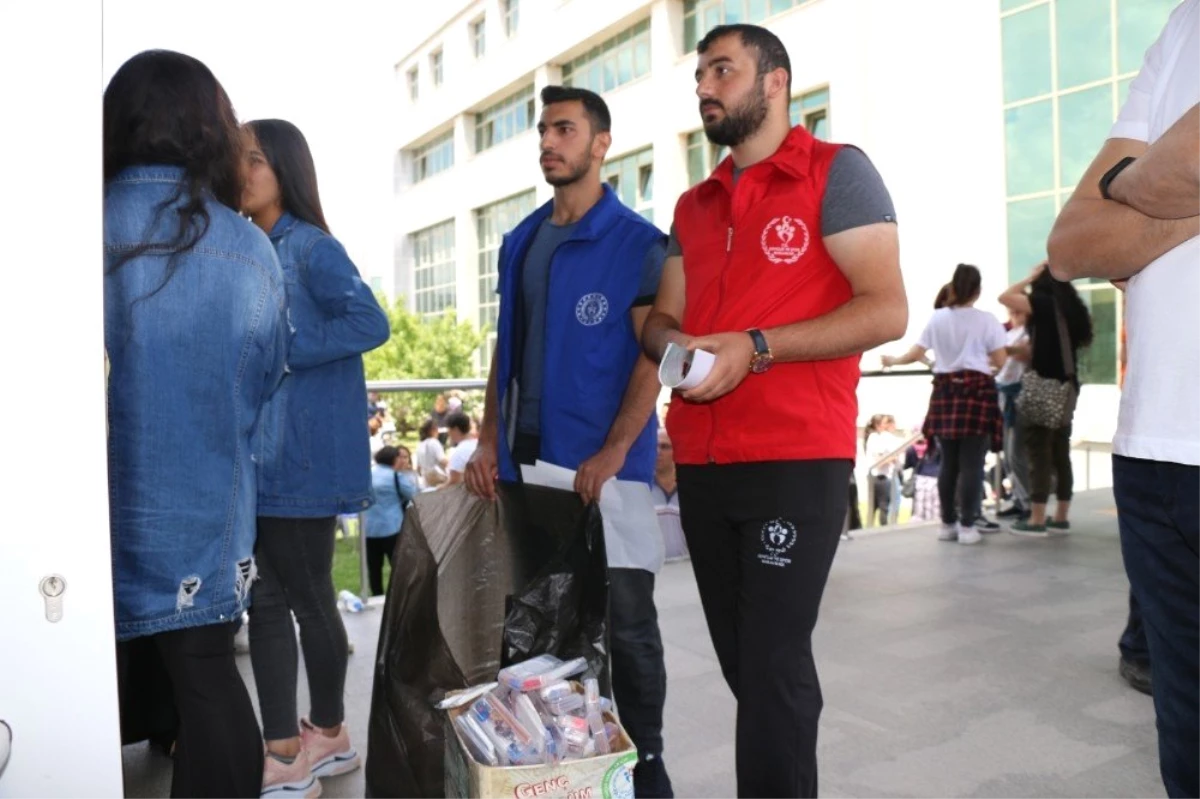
[(1138, 24), (646, 178), (1029, 223), (818, 124), (756, 11), (1098, 363), (1084, 33), (712, 18), (1029, 148), (1025, 41), (695, 161), (817, 98), (690, 36), (1123, 91), (610, 74), (781, 5), (624, 65), (1084, 119), (1007, 5), (733, 11), (641, 55)]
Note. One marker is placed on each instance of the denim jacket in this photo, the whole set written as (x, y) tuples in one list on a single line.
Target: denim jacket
[(392, 490), (317, 457), (195, 347)]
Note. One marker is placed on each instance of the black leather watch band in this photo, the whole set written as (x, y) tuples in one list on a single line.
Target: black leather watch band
[(760, 341), (1108, 177)]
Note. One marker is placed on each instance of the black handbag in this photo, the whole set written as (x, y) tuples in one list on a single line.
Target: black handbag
[(1046, 401)]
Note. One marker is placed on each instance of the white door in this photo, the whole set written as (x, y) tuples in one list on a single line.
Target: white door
[(58, 688)]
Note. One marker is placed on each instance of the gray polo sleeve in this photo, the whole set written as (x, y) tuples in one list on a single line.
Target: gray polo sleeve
[(854, 194), (674, 248)]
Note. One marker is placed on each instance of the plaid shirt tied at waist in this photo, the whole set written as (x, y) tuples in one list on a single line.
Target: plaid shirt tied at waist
[(965, 404)]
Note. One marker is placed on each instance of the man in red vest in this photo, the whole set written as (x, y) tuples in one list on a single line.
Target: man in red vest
[(784, 264)]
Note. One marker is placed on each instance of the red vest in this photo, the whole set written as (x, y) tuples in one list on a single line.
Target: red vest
[(753, 257)]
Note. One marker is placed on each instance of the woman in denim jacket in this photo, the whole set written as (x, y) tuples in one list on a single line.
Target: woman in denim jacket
[(316, 464), (196, 333)]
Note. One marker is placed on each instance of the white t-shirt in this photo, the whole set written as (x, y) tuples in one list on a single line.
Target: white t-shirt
[(1013, 370), (429, 456), (878, 445), (1160, 403), (462, 453), (961, 339)]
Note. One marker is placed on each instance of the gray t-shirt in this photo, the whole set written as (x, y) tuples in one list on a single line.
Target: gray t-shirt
[(854, 196), (535, 282)]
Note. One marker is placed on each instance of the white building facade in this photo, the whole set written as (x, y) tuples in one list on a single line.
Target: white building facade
[(943, 110)]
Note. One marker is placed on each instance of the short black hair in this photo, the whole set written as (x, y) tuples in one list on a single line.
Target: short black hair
[(459, 421), (428, 429), (771, 52), (386, 456), (593, 104)]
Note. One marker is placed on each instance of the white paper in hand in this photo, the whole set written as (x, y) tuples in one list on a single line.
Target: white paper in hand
[(681, 369)]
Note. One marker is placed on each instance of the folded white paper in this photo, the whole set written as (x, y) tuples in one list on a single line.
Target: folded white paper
[(681, 369)]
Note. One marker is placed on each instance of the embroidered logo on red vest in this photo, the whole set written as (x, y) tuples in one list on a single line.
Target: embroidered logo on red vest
[(785, 239)]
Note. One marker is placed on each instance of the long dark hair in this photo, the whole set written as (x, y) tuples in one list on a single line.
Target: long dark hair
[(166, 108), (287, 153), (964, 286), (1079, 320)]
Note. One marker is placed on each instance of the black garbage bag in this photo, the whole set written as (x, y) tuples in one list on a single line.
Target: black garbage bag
[(458, 563), (562, 609)]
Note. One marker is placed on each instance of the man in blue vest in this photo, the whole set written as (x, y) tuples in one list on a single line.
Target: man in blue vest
[(570, 386)]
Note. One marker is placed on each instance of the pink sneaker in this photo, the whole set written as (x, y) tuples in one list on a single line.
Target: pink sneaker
[(293, 780), (328, 756)]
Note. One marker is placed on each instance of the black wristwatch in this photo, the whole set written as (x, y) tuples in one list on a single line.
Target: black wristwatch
[(762, 358), (1111, 175)]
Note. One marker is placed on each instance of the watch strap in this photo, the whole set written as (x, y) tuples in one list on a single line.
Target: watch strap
[(1108, 177), (760, 341)]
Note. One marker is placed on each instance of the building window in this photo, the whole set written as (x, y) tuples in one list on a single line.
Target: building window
[(433, 157), (491, 223), (612, 63), (413, 84), (512, 16), (812, 111), (701, 16), (433, 269), (435, 66), (702, 156), (479, 37), (632, 178), (1066, 67), (512, 115)]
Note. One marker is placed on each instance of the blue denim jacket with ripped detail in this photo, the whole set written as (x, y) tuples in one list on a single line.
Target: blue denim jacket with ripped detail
[(196, 345)]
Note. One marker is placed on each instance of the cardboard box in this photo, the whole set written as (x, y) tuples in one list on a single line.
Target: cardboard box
[(602, 777)]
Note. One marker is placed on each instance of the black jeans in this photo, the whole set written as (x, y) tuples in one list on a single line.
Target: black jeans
[(762, 538), (295, 561), (639, 676), (1158, 510), (377, 550), (218, 746), (883, 499), (1049, 454), (1133, 640), (959, 483)]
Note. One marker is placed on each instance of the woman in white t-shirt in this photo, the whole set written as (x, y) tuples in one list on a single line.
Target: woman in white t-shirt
[(431, 457), (964, 409), (880, 440)]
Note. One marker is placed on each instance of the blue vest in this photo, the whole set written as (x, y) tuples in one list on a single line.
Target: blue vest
[(590, 346)]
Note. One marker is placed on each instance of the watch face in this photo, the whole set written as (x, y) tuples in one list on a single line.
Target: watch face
[(760, 363)]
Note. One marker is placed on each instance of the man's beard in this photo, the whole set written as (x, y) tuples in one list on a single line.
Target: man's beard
[(575, 171), (741, 122)]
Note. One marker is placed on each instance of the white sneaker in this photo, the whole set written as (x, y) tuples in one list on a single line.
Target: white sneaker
[(949, 532), (969, 535)]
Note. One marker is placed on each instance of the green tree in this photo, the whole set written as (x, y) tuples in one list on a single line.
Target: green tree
[(419, 348)]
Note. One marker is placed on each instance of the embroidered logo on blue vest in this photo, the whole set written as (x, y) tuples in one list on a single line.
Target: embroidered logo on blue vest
[(591, 309)]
